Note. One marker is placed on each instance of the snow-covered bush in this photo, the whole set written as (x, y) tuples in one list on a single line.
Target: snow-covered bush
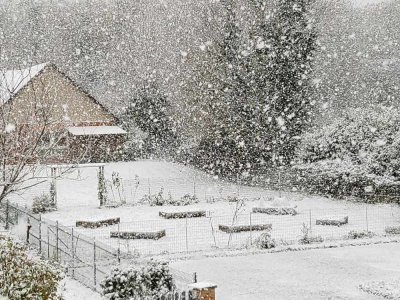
[(392, 230), (153, 279), (42, 204), (160, 199), (358, 150), (354, 234), (265, 241), (23, 277), (307, 238)]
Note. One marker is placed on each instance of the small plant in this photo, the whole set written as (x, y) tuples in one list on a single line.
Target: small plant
[(160, 199), (151, 280), (307, 238), (42, 204), (186, 199), (264, 241), (353, 235), (156, 199), (392, 230)]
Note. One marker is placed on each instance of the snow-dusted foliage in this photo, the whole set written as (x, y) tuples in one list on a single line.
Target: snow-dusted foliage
[(153, 279), (259, 97), (42, 204), (160, 199), (265, 241), (24, 277), (150, 110), (358, 152)]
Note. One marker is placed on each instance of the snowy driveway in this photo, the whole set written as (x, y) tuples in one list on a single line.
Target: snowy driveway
[(314, 274)]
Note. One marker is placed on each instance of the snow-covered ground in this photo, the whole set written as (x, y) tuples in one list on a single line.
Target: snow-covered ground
[(73, 290), (314, 274), (77, 200)]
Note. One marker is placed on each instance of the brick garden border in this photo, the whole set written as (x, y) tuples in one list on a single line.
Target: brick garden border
[(97, 224), (275, 210), (135, 235), (182, 215), (242, 228)]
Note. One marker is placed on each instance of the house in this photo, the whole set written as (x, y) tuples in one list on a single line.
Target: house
[(49, 109)]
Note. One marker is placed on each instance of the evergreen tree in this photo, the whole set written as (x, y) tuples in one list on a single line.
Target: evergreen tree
[(284, 42), (263, 102), (149, 110)]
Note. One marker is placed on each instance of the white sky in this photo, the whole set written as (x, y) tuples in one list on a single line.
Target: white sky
[(366, 2)]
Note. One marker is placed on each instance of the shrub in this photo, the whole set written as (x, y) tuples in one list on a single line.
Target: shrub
[(357, 150), (393, 230), (22, 277), (264, 241), (360, 234), (306, 238), (151, 280), (42, 204), (160, 199), (186, 199)]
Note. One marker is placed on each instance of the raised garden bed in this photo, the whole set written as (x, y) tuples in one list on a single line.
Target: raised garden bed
[(97, 224), (134, 235), (183, 214), (393, 230), (241, 228), (332, 221), (275, 210)]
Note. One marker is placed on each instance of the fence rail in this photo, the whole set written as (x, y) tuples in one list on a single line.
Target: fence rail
[(87, 259)]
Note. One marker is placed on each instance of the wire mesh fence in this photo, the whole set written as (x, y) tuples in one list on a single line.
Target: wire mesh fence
[(242, 230), (85, 257)]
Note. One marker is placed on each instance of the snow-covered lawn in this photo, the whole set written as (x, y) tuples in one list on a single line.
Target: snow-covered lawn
[(314, 274), (77, 200)]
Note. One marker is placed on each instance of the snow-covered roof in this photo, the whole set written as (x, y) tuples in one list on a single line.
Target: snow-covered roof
[(12, 81), (96, 130)]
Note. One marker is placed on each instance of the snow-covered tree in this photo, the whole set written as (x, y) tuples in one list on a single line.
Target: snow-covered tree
[(261, 93), (150, 110)]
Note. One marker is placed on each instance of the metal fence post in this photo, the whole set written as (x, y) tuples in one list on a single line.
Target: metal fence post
[(57, 240), (186, 234), (194, 277), (94, 265), (48, 242), (72, 254), (310, 222), (251, 230), (366, 216), (7, 226), (40, 234), (28, 229), (119, 247)]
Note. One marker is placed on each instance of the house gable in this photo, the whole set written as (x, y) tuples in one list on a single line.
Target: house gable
[(58, 97)]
